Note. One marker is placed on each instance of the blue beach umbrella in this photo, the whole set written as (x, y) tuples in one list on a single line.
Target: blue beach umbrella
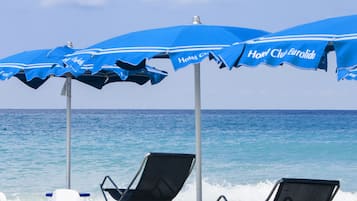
[(36, 66), (183, 45), (305, 46)]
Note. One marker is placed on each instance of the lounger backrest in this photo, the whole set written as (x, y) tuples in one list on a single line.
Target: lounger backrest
[(164, 174), (306, 190)]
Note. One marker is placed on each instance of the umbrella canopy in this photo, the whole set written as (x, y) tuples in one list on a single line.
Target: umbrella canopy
[(305, 46), (183, 45), (36, 66)]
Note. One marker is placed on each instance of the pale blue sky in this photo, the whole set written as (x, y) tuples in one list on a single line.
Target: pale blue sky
[(36, 24)]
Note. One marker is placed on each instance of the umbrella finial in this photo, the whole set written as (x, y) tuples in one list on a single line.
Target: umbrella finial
[(69, 44), (196, 20)]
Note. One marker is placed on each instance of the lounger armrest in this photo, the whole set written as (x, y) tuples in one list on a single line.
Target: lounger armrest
[(108, 178), (222, 197)]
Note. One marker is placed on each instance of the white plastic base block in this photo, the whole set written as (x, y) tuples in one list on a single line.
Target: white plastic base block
[(2, 196), (65, 195)]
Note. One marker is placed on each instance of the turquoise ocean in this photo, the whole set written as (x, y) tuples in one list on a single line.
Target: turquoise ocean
[(244, 152)]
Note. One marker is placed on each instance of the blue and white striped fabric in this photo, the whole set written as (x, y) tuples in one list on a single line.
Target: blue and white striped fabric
[(184, 45), (347, 74), (305, 46)]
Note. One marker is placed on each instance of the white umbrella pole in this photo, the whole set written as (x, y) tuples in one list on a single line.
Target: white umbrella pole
[(68, 111), (68, 123), (198, 132), (196, 20)]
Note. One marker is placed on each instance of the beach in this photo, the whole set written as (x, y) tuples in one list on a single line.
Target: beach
[(244, 152)]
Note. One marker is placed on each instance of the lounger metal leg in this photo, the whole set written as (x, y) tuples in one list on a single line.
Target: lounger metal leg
[(334, 192), (272, 191)]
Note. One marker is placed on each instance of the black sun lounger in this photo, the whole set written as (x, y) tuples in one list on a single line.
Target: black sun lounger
[(302, 190), (162, 176)]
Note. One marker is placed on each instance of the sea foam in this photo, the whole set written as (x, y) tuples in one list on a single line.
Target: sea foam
[(240, 192), (243, 192)]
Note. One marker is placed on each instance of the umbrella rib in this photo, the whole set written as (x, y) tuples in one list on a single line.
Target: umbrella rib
[(288, 39), (28, 66), (317, 37), (99, 51)]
